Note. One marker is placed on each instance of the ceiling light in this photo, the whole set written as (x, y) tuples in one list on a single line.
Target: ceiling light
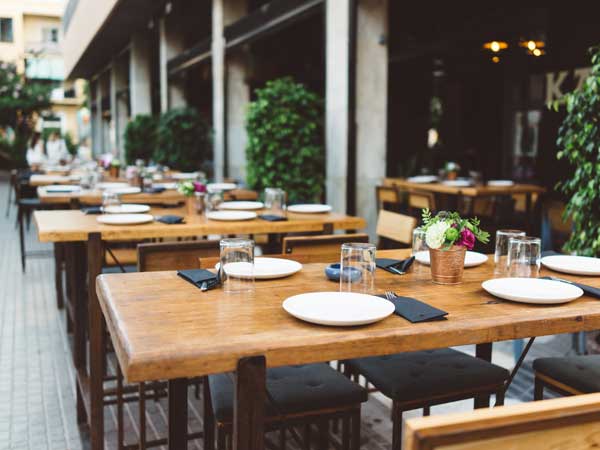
[(495, 46)]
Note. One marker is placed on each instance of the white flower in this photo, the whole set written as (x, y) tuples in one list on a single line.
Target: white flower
[(436, 234)]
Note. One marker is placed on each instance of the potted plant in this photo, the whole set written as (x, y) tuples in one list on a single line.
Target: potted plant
[(448, 237), (194, 193), (451, 170), (140, 138), (115, 167)]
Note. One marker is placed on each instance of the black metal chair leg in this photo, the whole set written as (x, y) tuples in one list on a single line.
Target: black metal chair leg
[(538, 391), (21, 237), (396, 427)]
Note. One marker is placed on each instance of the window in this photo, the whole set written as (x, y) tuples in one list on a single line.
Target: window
[(50, 35), (6, 29)]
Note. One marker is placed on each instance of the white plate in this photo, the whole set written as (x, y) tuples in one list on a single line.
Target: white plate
[(184, 175), (309, 208), (423, 179), (221, 187), (165, 185), (264, 268), (338, 308), (111, 185), (532, 290), (125, 190), (500, 183), (231, 215), (125, 219), (457, 183), (126, 208), (62, 188), (472, 259), (577, 265), (241, 206)]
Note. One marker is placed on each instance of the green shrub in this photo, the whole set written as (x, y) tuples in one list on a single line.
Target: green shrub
[(140, 138), (184, 140), (579, 143), (285, 140)]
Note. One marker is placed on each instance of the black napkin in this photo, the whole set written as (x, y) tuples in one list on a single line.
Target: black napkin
[(394, 265), (589, 290), (170, 220), (201, 278), (550, 253), (272, 217), (154, 190), (416, 311), (92, 210)]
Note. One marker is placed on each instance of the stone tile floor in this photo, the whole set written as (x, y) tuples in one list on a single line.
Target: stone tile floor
[(37, 390)]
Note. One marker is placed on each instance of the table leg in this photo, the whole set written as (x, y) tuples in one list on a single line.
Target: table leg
[(249, 404), (58, 274), (484, 351), (97, 344), (178, 416)]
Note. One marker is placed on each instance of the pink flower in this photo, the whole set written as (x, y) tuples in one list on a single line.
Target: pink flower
[(199, 187), (466, 239)]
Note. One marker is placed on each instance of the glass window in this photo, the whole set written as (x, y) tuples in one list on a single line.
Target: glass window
[(6, 29), (50, 35)]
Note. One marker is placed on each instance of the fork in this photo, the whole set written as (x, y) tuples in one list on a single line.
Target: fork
[(390, 295)]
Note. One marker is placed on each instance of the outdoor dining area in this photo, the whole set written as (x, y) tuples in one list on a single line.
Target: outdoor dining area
[(277, 321)]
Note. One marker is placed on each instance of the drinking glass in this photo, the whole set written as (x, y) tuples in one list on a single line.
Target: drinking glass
[(418, 241), (501, 253), (357, 268), (237, 255), (524, 255), (213, 199), (110, 199), (275, 200)]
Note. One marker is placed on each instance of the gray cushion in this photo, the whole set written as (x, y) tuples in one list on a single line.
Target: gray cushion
[(116, 269), (295, 389), (416, 375), (579, 372)]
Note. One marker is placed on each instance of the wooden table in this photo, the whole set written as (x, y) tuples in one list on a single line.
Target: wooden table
[(164, 328), (94, 197), (84, 241), (46, 179)]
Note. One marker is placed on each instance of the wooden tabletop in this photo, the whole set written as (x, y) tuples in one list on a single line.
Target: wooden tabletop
[(94, 197), (470, 191), (162, 327), (73, 225), (48, 179)]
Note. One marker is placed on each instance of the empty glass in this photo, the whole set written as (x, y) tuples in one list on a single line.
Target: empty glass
[(501, 253), (418, 242), (236, 268), (524, 255), (110, 199), (275, 200), (357, 268), (214, 198)]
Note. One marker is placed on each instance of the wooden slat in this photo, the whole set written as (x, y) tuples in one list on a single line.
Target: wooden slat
[(73, 225), (395, 226), (164, 327), (565, 423), (471, 191)]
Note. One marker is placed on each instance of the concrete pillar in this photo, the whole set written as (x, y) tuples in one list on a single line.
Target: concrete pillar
[(118, 103), (337, 85), (94, 121), (238, 97), (99, 122), (140, 84), (224, 12), (371, 105), (170, 44)]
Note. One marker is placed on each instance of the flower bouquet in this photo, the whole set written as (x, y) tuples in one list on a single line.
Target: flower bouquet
[(194, 192), (448, 237)]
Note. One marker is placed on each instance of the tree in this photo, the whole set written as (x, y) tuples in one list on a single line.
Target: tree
[(579, 143), (140, 138), (21, 101), (285, 140)]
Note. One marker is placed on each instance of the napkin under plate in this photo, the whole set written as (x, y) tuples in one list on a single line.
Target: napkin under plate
[(416, 311), (272, 218), (588, 290)]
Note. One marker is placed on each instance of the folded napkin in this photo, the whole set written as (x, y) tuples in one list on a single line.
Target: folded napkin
[(272, 217), (92, 210), (550, 253), (589, 290), (170, 220), (394, 265), (416, 311), (154, 190), (201, 278)]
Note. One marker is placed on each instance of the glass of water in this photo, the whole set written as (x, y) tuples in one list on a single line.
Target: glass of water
[(275, 200), (501, 253), (524, 256), (236, 267), (357, 268), (110, 200), (419, 245)]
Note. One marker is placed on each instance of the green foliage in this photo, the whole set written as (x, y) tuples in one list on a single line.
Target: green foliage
[(579, 143), (285, 140), (184, 140), (140, 138)]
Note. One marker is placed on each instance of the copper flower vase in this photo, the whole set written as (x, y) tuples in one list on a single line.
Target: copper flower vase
[(447, 266)]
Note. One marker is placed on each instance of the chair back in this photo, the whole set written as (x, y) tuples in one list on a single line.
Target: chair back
[(418, 200), (320, 244), (153, 257), (240, 194), (386, 195), (395, 226), (568, 422)]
